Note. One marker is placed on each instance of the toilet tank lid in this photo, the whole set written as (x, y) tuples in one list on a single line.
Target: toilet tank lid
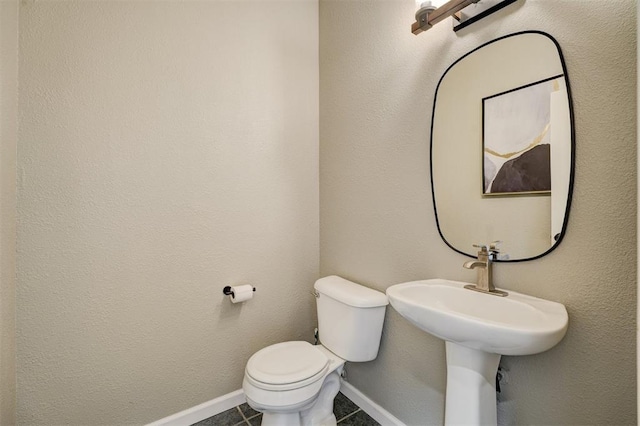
[(350, 293)]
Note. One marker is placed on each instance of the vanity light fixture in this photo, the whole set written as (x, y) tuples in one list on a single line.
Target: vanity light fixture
[(430, 12)]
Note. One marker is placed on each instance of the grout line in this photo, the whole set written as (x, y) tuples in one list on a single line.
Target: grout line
[(253, 417), (349, 415), (243, 416)]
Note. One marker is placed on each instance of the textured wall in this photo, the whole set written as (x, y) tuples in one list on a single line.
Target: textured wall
[(167, 149), (377, 83), (8, 140)]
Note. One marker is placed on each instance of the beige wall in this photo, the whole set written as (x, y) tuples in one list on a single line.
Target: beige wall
[(377, 83), (167, 149), (8, 140)]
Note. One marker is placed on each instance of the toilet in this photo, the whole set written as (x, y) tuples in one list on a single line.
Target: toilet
[(294, 383)]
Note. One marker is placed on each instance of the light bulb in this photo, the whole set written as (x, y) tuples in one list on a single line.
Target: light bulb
[(431, 4)]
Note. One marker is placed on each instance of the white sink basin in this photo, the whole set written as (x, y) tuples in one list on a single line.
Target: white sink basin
[(514, 325), (478, 329)]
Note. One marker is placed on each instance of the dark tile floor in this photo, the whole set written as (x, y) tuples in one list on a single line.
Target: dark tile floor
[(347, 413)]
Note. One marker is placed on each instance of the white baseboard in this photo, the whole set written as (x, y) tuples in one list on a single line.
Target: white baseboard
[(235, 398), (203, 411), (378, 413)]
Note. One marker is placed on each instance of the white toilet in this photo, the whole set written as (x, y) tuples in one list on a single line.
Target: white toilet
[(294, 383)]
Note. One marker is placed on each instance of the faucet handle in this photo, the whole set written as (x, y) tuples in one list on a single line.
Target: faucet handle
[(488, 249), (493, 247), (483, 247)]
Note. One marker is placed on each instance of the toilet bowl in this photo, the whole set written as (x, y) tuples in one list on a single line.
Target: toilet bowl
[(285, 381), (294, 383)]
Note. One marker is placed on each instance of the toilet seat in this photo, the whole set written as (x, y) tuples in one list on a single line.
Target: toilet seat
[(286, 366)]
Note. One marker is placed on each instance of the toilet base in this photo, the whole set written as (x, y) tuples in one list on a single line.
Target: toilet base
[(280, 419), (320, 413), (292, 419)]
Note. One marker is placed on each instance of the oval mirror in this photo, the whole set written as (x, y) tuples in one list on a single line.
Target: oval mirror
[(502, 148)]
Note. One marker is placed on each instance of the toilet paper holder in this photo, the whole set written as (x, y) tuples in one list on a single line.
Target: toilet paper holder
[(228, 291)]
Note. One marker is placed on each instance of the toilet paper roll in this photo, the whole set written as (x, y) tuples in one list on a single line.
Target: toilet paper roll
[(241, 293)]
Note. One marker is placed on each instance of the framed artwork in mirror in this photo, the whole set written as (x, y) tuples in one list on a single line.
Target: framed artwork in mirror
[(516, 150)]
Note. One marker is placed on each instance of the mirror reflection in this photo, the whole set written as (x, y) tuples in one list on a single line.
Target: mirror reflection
[(502, 147)]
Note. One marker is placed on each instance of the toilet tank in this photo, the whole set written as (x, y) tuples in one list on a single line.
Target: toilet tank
[(350, 318)]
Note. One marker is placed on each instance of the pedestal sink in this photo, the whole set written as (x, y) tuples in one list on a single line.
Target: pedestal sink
[(478, 329)]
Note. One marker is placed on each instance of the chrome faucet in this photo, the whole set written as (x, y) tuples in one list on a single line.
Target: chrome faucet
[(484, 266)]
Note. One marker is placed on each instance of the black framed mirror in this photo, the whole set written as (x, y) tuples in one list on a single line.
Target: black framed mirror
[(503, 147)]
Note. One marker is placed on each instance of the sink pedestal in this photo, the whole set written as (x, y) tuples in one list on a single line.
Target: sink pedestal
[(471, 386)]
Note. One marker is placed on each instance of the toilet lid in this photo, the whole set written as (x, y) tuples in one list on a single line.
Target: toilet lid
[(287, 362)]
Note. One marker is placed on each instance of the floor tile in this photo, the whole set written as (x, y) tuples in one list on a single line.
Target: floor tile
[(256, 420), (247, 410), (342, 406), (360, 418), (230, 417), (347, 414)]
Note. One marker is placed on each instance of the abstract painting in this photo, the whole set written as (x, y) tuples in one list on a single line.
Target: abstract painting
[(516, 140)]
